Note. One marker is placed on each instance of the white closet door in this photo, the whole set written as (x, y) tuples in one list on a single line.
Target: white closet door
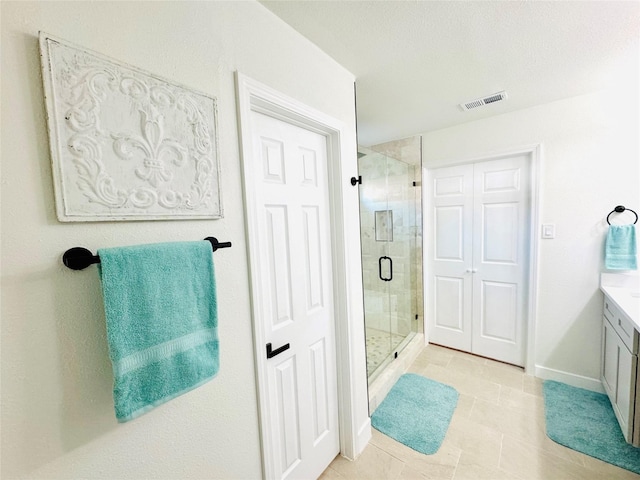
[(500, 259), (449, 278), (479, 267)]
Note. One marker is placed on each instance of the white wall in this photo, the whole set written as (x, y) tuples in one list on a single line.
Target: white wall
[(57, 410), (590, 165)]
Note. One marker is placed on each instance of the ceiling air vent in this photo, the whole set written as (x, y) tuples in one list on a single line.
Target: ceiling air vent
[(496, 97)]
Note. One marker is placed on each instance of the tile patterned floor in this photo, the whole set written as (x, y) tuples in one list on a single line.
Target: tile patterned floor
[(380, 344), (497, 432)]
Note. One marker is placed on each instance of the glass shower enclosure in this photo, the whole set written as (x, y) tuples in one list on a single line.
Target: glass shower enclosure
[(391, 238)]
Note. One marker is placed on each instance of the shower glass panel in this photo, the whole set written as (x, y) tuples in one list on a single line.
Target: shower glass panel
[(391, 236)]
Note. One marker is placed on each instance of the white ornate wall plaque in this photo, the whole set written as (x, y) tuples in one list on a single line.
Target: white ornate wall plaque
[(126, 144)]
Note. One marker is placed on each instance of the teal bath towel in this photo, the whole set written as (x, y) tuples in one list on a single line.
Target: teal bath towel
[(620, 248), (160, 305)]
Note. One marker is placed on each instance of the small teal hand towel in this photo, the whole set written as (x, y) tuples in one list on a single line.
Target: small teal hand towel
[(621, 248), (161, 311)]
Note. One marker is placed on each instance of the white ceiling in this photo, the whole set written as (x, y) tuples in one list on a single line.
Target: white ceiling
[(415, 61)]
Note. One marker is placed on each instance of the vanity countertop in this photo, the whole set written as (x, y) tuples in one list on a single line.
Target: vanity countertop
[(624, 290)]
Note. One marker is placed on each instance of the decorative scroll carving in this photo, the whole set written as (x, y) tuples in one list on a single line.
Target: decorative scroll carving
[(125, 144)]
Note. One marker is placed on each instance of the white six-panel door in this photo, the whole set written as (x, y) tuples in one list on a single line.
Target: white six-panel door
[(479, 263), (449, 271), (291, 193)]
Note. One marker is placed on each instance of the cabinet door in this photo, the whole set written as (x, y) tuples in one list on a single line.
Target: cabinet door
[(626, 389), (618, 377), (609, 360)]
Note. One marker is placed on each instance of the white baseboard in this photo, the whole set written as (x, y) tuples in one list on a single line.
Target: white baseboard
[(572, 379)]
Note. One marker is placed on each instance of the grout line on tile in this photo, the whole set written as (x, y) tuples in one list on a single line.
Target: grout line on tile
[(404, 466), (455, 468), (473, 405)]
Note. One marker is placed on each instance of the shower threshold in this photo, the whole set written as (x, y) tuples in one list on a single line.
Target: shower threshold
[(386, 375), (379, 350)]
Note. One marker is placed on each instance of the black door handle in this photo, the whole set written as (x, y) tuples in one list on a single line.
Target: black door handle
[(380, 269), (277, 351)]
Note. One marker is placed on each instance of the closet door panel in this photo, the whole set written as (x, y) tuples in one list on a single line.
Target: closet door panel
[(499, 308), (500, 220), (449, 314)]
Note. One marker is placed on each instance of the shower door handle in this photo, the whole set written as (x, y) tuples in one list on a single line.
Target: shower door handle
[(380, 268)]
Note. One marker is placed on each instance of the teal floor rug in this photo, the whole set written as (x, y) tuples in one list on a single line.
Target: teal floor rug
[(584, 421), (416, 412)]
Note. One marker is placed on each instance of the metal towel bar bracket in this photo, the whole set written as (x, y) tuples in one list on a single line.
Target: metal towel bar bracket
[(620, 209), (79, 258)]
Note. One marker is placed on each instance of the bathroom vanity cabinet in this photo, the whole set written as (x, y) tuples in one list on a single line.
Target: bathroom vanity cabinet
[(619, 370)]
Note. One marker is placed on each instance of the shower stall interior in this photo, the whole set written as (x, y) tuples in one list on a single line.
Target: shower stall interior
[(391, 238)]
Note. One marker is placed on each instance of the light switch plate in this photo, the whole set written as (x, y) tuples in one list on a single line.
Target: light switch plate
[(548, 230)]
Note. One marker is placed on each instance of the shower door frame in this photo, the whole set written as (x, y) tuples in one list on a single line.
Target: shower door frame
[(413, 174)]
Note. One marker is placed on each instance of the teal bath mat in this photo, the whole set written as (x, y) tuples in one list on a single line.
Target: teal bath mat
[(416, 412), (584, 421)]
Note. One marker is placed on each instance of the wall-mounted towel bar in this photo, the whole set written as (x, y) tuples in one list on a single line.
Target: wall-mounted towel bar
[(620, 209), (79, 258)]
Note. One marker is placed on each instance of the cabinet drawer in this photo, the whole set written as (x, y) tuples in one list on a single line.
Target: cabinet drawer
[(621, 324)]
